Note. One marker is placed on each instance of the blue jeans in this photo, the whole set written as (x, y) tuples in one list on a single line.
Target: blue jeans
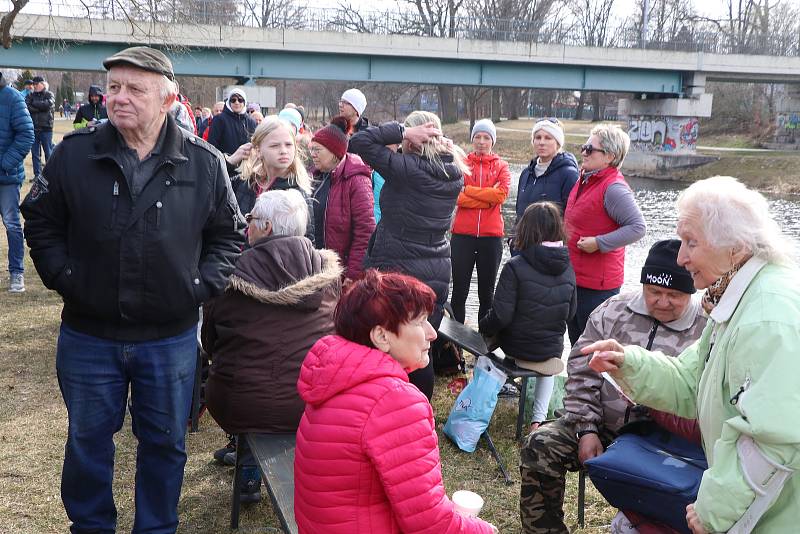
[(9, 209), (94, 375), (44, 140), (588, 300)]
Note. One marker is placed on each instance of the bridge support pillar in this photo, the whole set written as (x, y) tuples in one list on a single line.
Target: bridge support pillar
[(787, 126), (664, 131), (664, 124)]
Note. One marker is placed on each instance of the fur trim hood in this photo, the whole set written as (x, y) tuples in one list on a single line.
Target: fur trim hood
[(286, 271)]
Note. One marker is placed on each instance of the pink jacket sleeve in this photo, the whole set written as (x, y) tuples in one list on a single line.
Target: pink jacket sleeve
[(400, 440), (362, 210)]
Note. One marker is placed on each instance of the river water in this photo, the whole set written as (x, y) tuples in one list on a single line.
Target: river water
[(656, 199)]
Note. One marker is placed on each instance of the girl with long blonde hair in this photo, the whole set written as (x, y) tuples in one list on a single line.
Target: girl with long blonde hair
[(270, 161)]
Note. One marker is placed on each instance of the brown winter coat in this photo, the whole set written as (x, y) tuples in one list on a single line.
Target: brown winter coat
[(279, 302)]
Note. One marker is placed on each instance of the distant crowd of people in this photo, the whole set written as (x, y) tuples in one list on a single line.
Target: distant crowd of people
[(318, 265)]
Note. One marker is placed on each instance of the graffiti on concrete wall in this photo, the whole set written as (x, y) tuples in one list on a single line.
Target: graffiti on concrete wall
[(789, 121), (663, 134), (788, 128)]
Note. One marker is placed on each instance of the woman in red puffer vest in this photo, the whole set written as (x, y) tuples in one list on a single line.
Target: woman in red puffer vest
[(478, 228), (367, 455)]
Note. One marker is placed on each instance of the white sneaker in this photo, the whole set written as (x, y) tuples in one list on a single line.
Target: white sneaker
[(17, 283)]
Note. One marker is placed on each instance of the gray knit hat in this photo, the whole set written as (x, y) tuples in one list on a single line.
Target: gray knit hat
[(486, 126)]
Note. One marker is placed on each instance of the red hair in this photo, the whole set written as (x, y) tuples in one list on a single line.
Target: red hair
[(380, 299)]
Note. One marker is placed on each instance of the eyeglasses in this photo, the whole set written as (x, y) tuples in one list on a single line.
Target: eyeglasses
[(588, 149), (236, 99), (249, 217)]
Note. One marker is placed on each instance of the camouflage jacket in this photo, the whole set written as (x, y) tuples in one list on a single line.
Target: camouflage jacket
[(590, 402)]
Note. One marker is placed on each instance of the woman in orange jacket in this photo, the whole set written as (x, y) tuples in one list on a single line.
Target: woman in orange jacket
[(478, 227)]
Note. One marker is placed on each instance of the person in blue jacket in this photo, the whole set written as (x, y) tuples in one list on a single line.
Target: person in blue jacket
[(551, 173), (16, 139)]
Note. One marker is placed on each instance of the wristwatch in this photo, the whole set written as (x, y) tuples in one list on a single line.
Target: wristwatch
[(582, 433)]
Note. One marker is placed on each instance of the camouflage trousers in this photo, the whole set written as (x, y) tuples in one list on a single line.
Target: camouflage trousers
[(548, 454)]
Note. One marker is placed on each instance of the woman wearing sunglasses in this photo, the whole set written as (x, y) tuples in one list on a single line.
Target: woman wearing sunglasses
[(602, 218), (233, 127)]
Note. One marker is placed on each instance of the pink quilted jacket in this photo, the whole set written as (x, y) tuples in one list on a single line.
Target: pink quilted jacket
[(367, 457)]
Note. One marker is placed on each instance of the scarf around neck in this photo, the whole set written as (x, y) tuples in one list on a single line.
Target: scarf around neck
[(715, 291)]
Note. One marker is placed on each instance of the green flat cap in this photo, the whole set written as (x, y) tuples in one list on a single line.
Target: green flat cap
[(143, 57)]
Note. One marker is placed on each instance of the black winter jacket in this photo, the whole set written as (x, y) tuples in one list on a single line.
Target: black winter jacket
[(231, 130), (246, 198), (41, 106), (133, 271), (90, 112), (418, 200), (554, 185), (534, 299)]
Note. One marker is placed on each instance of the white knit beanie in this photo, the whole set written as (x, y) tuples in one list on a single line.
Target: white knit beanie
[(238, 92), (486, 126), (551, 128), (355, 98)]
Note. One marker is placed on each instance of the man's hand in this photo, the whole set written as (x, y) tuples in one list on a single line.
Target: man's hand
[(588, 244), (589, 447), (693, 520), (609, 355), (419, 135)]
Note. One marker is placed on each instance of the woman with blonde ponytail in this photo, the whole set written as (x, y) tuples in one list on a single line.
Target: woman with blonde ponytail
[(270, 161), (417, 204)]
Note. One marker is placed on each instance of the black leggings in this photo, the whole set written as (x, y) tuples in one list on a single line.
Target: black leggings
[(467, 252)]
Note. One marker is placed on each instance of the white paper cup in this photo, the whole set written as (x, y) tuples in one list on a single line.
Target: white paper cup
[(467, 503)]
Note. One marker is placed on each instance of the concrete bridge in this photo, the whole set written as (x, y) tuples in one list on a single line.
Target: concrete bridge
[(72, 43)]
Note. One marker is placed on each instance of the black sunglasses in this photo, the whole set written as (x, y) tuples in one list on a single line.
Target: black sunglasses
[(236, 99), (588, 149)]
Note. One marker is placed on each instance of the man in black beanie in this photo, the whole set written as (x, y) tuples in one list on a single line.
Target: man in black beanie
[(661, 316)]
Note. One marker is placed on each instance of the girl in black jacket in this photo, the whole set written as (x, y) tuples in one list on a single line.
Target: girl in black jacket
[(534, 299)]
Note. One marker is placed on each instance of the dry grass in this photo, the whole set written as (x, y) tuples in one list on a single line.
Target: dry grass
[(34, 423)]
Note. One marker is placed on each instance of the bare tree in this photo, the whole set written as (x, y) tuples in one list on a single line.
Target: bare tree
[(593, 24), (7, 22), (273, 13)]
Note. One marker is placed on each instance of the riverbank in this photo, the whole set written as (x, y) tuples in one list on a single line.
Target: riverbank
[(768, 171)]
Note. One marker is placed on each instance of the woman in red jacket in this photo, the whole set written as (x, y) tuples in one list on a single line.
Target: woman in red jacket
[(602, 218), (478, 228), (344, 215), (367, 455)]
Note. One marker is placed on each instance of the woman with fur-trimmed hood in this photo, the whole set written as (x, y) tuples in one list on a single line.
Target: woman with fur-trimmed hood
[(278, 303)]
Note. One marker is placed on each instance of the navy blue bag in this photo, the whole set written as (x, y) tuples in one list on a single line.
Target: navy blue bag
[(654, 473)]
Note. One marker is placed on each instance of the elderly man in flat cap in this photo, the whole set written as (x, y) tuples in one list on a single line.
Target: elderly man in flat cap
[(133, 222)]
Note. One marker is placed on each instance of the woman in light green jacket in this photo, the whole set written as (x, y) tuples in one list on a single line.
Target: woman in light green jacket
[(742, 378)]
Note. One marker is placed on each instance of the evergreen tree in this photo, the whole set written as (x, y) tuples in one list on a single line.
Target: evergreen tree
[(19, 83), (66, 89)]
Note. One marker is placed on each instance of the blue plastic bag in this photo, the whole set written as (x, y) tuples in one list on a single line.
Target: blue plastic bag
[(474, 406)]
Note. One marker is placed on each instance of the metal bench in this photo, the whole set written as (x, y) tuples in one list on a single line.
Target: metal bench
[(274, 454)]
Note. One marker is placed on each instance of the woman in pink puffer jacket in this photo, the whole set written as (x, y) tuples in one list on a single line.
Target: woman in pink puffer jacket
[(367, 456)]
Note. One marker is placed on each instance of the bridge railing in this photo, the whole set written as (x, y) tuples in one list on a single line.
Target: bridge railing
[(250, 13)]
